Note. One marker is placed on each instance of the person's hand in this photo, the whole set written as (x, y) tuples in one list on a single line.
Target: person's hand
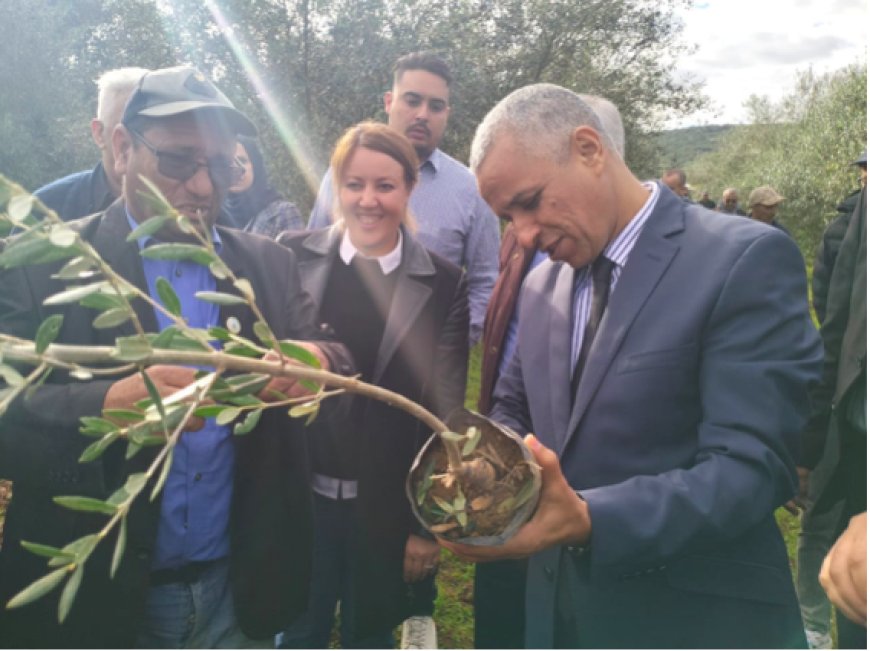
[(562, 518), (127, 391), (844, 571), (421, 558), (287, 386)]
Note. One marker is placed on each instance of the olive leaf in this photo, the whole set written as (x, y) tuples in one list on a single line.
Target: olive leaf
[(47, 332), (69, 593), (168, 296), (179, 251), (37, 589), (111, 318), (120, 544), (220, 298), (148, 227), (249, 423), (77, 503), (77, 293), (11, 376), (164, 473), (77, 268), (45, 550), (131, 349), (228, 415), (472, 439), (96, 449)]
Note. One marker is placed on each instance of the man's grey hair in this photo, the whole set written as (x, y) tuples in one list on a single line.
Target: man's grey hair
[(114, 88), (541, 119), (611, 121)]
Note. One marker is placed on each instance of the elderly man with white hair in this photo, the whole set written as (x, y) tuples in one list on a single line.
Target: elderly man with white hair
[(90, 191)]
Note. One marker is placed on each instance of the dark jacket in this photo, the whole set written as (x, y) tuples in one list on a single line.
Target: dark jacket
[(826, 253), (270, 530), (79, 194), (513, 264), (423, 355), (842, 391)]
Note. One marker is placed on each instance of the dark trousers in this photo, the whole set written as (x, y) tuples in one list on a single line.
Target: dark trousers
[(423, 595), (332, 580), (853, 470)]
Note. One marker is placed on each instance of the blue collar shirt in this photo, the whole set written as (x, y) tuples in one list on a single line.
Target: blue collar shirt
[(195, 507)]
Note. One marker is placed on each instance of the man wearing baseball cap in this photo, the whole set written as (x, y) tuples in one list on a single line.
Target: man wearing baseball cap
[(220, 559), (763, 203)]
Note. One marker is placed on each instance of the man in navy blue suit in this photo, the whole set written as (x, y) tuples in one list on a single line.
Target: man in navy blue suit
[(665, 376)]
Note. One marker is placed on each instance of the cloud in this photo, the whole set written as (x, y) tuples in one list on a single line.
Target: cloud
[(771, 48), (758, 46)]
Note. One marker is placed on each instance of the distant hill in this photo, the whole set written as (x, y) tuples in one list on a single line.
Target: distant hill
[(679, 147)]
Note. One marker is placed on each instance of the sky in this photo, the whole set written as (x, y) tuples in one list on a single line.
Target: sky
[(747, 47)]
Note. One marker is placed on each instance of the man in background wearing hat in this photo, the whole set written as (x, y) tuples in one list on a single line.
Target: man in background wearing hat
[(763, 204), (221, 558)]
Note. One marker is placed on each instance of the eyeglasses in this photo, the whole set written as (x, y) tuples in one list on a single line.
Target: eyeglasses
[(222, 172)]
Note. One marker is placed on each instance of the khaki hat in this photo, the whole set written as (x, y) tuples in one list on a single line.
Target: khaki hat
[(766, 196), (172, 91)]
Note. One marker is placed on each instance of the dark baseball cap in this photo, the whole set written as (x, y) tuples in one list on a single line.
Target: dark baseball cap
[(862, 159), (173, 91)]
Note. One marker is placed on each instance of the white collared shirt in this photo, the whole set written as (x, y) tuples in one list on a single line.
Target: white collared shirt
[(389, 262)]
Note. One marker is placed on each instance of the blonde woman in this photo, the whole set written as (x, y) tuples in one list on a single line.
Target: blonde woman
[(403, 313)]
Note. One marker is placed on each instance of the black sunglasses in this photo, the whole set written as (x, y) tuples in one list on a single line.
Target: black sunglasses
[(223, 173)]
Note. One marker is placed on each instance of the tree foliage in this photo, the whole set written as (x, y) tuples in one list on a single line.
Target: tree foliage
[(305, 70), (802, 146)]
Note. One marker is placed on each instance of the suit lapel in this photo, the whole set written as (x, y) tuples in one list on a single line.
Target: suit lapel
[(241, 313), (110, 241), (315, 271), (647, 262), (411, 295), (559, 332)]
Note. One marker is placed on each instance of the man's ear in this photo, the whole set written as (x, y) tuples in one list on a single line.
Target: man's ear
[(122, 149), (586, 143), (98, 133), (388, 100)]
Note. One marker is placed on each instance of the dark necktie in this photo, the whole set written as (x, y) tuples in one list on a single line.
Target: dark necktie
[(601, 271)]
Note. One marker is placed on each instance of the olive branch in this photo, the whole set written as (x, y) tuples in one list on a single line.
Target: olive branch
[(227, 393)]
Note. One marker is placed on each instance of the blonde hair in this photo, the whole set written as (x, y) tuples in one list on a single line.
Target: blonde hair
[(380, 138)]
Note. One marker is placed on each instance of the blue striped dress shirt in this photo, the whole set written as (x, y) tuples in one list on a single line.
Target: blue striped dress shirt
[(617, 252)]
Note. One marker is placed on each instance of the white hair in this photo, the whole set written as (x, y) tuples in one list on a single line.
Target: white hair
[(611, 120), (113, 90), (541, 118)]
